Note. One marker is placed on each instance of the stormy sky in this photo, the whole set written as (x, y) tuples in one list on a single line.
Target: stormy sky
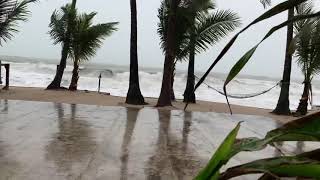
[(34, 41)]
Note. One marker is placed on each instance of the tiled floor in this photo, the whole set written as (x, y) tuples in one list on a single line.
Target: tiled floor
[(49, 141)]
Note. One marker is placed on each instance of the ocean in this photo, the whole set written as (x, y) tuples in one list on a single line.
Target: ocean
[(30, 72)]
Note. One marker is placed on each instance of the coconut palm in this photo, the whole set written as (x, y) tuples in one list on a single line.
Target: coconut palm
[(85, 40), (134, 95), (283, 105), (11, 12), (170, 54), (198, 29), (307, 53), (62, 24)]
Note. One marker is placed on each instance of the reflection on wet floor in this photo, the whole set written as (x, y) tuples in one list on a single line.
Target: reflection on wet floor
[(62, 141)]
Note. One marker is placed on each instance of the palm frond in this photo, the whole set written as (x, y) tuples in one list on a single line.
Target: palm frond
[(212, 28), (87, 38), (11, 13), (265, 3), (60, 20), (308, 49), (303, 9)]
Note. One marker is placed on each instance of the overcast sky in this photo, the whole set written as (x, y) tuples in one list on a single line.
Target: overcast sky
[(34, 41)]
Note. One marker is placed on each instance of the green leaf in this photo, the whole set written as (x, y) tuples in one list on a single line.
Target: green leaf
[(303, 129), (290, 166), (240, 64), (220, 157), (270, 13), (244, 59)]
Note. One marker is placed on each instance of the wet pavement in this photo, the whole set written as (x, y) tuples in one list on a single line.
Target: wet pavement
[(52, 141)]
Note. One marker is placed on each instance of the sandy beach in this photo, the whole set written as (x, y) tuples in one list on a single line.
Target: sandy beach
[(94, 98)]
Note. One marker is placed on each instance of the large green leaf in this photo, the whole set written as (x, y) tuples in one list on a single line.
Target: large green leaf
[(303, 129), (247, 56), (270, 13), (290, 166), (221, 156)]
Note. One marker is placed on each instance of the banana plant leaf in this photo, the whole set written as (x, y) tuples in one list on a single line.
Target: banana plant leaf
[(247, 56), (290, 166), (270, 13), (211, 171), (303, 129)]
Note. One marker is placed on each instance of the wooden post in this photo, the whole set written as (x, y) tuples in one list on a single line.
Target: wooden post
[(7, 67), (99, 85), (0, 74)]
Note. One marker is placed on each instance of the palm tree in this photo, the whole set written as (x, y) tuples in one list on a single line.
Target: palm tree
[(307, 53), (85, 40), (283, 105), (11, 12), (66, 18), (208, 29), (134, 95), (195, 35), (164, 98)]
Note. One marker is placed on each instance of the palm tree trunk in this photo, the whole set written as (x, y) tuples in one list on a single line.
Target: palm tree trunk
[(303, 105), (134, 95), (189, 95), (283, 106), (56, 83), (165, 98), (172, 95), (75, 76)]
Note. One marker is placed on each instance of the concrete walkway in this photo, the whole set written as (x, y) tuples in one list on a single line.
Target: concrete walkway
[(53, 141)]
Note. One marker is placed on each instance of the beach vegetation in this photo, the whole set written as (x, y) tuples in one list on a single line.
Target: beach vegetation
[(134, 95), (85, 40), (61, 25), (307, 46), (199, 25), (11, 13), (170, 54), (305, 165)]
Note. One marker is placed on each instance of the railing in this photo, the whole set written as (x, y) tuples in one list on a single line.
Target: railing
[(7, 68)]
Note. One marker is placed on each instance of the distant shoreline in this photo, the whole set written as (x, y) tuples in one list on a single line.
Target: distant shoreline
[(94, 98), (21, 59)]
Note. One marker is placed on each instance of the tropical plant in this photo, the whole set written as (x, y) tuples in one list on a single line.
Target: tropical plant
[(11, 13), (85, 40), (307, 53), (283, 105), (62, 25), (305, 165), (197, 29), (284, 6), (134, 95), (170, 54), (207, 29)]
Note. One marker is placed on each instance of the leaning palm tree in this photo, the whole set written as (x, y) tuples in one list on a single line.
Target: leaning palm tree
[(308, 58), (85, 40), (196, 35), (11, 12), (134, 95), (63, 22), (307, 52), (170, 54)]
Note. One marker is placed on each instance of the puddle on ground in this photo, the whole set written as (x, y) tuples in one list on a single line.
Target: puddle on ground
[(40, 140)]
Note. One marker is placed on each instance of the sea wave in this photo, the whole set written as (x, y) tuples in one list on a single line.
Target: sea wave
[(115, 81)]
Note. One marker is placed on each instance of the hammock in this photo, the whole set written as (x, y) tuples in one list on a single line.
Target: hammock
[(241, 96)]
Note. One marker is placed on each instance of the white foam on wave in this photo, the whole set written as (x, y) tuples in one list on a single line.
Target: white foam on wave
[(41, 74)]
